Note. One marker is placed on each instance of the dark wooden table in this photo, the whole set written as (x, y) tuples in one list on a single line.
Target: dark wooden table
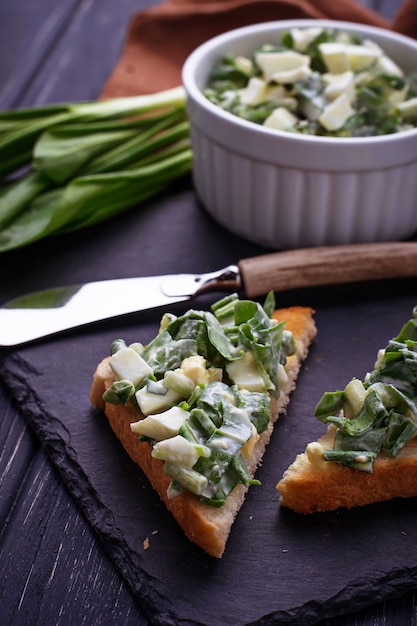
[(54, 569)]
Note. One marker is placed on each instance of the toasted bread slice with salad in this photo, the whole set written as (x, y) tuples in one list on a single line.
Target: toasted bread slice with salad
[(369, 452), (195, 408)]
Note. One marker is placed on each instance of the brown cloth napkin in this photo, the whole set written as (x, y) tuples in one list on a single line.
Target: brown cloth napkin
[(160, 38)]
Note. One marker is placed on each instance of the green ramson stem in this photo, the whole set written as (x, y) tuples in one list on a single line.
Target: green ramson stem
[(19, 194), (15, 145), (148, 141), (26, 126), (187, 478), (61, 156), (121, 107)]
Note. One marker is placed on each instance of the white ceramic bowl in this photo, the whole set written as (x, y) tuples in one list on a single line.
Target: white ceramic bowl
[(284, 190)]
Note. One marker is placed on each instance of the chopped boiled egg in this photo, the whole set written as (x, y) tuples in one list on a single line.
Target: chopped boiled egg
[(194, 367), (312, 108), (254, 92), (176, 450), (408, 108), (371, 44), (283, 67), (162, 425), (314, 452), (245, 374), (276, 92), (281, 119), (150, 402), (335, 57), (282, 376), (355, 393), (127, 364), (360, 57), (336, 84), (292, 76), (302, 37), (336, 113), (395, 96), (248, 447), (244, 64), (388, 66), (341, 57)]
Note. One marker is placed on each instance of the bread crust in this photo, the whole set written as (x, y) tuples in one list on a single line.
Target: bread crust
[(206, 526), (321, 486)]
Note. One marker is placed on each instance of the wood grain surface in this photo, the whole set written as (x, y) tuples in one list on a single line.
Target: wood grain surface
[(327, 265), (54, 570)]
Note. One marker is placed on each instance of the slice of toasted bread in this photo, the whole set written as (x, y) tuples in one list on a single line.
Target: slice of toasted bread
[(311, 484), (369, 452), (206, 526)]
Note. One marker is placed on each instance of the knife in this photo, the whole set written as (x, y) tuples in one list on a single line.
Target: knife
[(44, 313)]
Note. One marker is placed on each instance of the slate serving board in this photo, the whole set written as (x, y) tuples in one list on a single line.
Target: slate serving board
[(278, 567)]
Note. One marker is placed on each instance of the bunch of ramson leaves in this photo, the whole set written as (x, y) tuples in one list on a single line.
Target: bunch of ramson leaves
[(64, 167)]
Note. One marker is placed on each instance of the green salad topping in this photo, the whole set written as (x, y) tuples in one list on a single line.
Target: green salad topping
[(204, 385), (380, 413), (317, 81)]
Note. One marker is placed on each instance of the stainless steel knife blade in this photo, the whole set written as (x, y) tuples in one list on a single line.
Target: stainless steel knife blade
[(48, 312), (44, 313)]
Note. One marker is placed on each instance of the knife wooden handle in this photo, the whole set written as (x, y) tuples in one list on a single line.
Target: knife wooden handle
[(308, 267)]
